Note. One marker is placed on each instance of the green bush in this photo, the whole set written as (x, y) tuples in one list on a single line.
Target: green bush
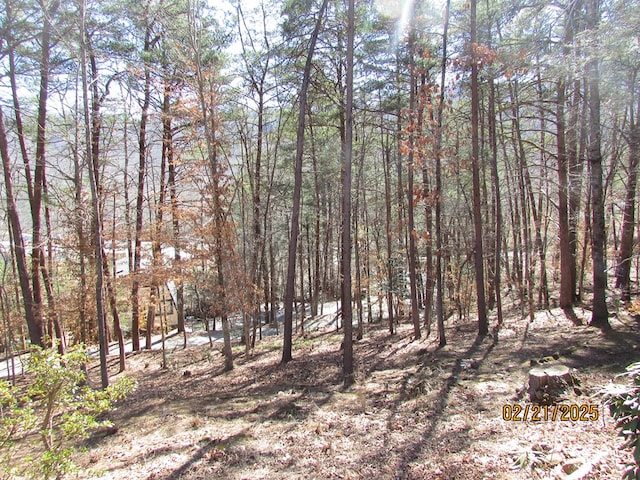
[(624, 405), (57, 410)]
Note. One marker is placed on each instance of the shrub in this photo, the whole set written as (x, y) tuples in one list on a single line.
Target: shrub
[(624, 404), (59, 409)]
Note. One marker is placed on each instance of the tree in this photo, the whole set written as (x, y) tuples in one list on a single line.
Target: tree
[(22, 32), (70, 411), (600, 314), (15, 227), (442, 341), (626, 61), (295, 214), (412, 131), (257, 65), (92, 164), (149, 43), (566, 287), (493, 141), (346, 303), (478, 251)]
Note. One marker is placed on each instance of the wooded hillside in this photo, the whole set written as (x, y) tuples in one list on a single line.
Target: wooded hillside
[(248, 164)]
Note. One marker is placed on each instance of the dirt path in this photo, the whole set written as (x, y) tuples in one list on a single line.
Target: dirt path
[(415, 413)]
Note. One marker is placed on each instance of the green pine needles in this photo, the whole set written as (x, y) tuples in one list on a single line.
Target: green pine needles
[(44, 423), (624, 405)]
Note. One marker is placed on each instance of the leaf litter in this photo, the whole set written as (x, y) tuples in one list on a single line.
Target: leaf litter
[(415, 412)]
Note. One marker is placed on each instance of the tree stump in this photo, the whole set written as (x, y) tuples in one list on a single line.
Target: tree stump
[(546, 381)]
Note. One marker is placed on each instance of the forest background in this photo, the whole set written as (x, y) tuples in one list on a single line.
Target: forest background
[(420, 161)]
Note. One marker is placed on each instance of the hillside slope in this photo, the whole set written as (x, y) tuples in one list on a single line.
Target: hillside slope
[(415, 413)]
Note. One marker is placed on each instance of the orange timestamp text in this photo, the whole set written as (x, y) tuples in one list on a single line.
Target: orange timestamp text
[(563, 412)]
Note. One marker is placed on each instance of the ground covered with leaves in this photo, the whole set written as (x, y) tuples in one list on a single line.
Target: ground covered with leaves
[(416, 411)]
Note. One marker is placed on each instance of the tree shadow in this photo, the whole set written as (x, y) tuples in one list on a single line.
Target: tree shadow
[(208, 446), (609, 352), (286, 394), (413, 450)]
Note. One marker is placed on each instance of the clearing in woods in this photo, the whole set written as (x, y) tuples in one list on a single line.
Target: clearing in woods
[(415, 413)]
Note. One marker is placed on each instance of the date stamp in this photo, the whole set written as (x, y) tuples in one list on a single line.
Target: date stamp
[(562, 412)]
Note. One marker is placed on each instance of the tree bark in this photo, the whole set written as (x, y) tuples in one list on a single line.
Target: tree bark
[(41, 145), (411, 133), (113, 304), (497, 270), (297, 194), (388, 220), (347, 312), (576, 139), (566, 290), (142, 173), (483, 327), (34, 324), (600, 314), (625, 253), (92, 164), (442, 341)]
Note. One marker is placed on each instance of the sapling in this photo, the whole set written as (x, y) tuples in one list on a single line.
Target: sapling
[(58, 410)]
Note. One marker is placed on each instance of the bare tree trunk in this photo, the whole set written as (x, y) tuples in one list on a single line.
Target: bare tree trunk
[(142, 173), (491, 114), (412, 253), (387, 201), (315, 297), (357, 247), (483, 327), (95, 203), (600, 314), (625, 253), (347, 312), (442, 341), (539, 216), (303, 307), (566, 291), (168, 153), (297, 193), (33, 323), (113, 304), (424, 102), (564, 144), (39, 170), (576, 139), (151, 316)]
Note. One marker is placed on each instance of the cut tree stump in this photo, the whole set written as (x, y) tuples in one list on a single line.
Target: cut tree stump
[(547, 380)]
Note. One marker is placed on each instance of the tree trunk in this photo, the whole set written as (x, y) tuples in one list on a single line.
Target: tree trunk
[(315, 296), (347, 313), (442, 341), (600, 314), (34, 324), (297, 194), (113, 304), (95, 204), (388, 220), (497, 280), (39, 170), (142, 173), (625, 253), (412, 253), (566, 291), (483, 327), (575, 139)]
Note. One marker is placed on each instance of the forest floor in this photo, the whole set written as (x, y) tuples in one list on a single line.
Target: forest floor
[(415, 412)]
